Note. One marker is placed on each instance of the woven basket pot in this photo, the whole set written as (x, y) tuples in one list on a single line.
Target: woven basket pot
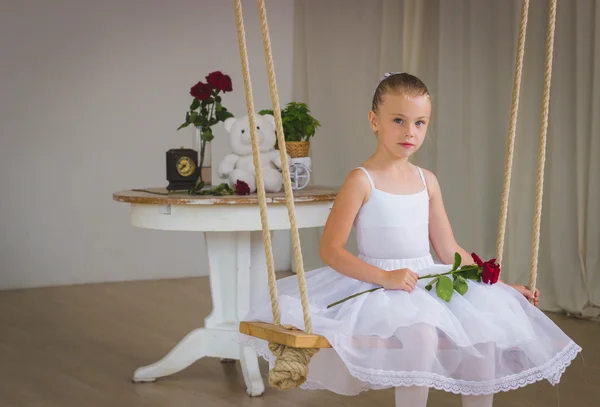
[(297, 148)]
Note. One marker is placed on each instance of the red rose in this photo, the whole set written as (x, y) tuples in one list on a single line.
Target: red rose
[(241, 188), (491, 272), (477, 259), (219, 81), (201, 91)]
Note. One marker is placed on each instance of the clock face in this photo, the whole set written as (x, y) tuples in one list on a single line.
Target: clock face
[(185, 166)]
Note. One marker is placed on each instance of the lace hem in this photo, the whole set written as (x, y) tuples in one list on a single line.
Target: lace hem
[(551, 371)]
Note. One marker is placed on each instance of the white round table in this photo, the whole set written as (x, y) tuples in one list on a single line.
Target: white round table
[(237, 267)]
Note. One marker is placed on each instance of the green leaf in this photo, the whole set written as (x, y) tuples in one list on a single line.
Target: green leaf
[(197, 188), (218, 107), (195, 104), (429, 286), (207, 135), (309, 131), (457, 260), (444, 288), (223, 114), (219, 190), (193, 116), (218, 99), (469, 272), (460, 285), (183, 125)]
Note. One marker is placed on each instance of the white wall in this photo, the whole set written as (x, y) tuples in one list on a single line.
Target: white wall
[(91, 93)]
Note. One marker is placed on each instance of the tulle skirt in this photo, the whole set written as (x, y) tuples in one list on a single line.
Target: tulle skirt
[(489, 340)]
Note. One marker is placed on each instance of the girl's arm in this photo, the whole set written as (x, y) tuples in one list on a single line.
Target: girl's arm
[(440, 231), (442, 237), (354, 192)]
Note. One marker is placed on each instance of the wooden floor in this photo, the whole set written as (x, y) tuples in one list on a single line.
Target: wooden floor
[(78, 347)]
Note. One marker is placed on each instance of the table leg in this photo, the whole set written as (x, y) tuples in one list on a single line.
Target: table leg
[(237, 270), (195, 345), (252, 279)]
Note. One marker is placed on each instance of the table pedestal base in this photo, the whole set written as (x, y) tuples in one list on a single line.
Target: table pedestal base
[(237, 275)]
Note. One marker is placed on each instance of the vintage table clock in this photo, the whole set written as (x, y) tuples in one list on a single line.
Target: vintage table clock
[(182, 168)]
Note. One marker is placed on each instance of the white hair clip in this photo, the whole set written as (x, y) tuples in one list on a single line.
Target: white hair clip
[(388, 74)]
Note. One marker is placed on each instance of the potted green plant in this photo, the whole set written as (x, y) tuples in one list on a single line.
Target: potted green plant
[(299, 126)]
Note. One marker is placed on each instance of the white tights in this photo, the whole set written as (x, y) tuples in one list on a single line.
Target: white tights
[(415, 396)]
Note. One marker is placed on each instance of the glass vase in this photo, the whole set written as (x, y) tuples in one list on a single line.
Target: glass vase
[(204, 156)]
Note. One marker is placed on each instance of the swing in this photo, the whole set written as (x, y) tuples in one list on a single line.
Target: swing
[(293, 347)]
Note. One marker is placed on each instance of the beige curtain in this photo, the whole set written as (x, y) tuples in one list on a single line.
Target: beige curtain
[(465, 53)]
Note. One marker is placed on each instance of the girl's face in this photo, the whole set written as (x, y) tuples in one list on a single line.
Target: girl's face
[(401, 123)]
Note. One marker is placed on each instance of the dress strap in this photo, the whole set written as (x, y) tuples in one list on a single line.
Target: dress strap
[(422, 176), (423, 179), (368, 176)]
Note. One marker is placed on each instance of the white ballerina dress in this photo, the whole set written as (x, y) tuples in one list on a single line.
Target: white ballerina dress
[(488, 340)]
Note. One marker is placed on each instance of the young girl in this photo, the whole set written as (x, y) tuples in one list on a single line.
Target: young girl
[(488, 340)]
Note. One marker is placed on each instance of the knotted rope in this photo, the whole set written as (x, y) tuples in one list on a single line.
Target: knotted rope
[(291, 366)]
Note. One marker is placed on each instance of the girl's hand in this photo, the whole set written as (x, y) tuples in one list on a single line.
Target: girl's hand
[(401, 279), (527, 293)]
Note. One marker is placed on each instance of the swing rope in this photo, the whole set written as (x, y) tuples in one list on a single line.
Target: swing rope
[(510, 146), (291, 366), (539, 186), (260, 188), (287, 179), (542, 140)]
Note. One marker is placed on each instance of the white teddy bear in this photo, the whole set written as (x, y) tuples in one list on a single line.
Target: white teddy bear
[(239, 165)]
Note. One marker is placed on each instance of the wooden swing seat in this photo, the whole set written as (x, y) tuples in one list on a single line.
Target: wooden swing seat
[(278, 334)]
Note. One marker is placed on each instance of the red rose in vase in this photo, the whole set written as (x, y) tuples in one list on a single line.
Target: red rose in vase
[(206, 110), (201, 91), (219, 81)]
